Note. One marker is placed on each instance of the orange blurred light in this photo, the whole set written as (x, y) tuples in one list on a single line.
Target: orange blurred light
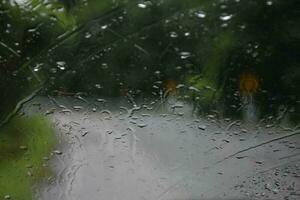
[(248, 83), (170, 86)]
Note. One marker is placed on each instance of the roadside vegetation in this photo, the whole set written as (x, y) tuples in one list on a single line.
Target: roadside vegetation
[(25, 144)]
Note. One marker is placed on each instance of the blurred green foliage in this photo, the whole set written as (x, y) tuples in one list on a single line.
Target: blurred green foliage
[(23, 144), (111, 46)]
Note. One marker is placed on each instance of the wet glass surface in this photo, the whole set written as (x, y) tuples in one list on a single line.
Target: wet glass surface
[(166, 99)]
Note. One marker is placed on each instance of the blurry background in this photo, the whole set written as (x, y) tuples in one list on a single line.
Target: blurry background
[(116, 47), (191, 99)]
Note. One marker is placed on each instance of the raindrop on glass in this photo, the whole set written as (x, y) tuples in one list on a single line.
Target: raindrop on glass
[(185, 55), (61, 65), (173, 35), (37, 67), (226, 17), (87, 35), (98, 86), (142, 5), (269, 3), (200, 14), (104, 27)]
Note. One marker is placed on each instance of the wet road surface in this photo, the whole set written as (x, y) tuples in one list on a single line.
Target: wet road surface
[(110, 149)]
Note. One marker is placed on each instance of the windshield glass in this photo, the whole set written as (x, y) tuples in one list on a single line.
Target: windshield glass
[(158, 99)]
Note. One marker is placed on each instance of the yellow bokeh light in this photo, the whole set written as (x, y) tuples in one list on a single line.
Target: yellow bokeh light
[(248, 83), (170, 86)]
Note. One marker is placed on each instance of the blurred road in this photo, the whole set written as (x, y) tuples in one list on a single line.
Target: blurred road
[(162, 151)]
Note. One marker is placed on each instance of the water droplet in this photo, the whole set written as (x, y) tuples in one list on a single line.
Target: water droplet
[(224, 25), (226, 17), (53, 70), (66, 111), (180, 114), (185, 55), (77, 107), (46, 158), (51, 111), (104, 27), (269, 125), (88, 35), (200, 14), (142, 5), (275, 191), (202, 127), (178, 68), (37, 67), (104, 66), (244, 131), (57, 152), (61, 65), (241, 157), (269, 3), (157, 72), (194, 89), (61, 10), (101, 100), (142, 125), (98, 86), (177, 106), (180, 86), (84, 133), (173, 35)]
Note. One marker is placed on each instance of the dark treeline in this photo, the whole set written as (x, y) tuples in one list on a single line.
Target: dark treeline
[(116, 47)]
